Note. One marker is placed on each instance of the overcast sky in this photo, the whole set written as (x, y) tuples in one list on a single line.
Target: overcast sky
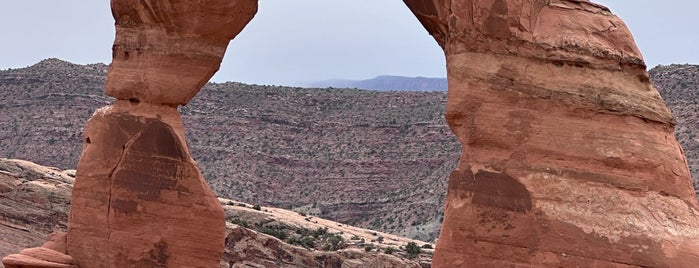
[(291, 41)]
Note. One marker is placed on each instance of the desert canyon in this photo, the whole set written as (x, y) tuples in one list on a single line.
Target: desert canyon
[(569, 157)]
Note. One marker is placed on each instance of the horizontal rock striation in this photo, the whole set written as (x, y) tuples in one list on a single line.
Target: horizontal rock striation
[(165, 51), (568, 153), (35, 202), (139, 199)]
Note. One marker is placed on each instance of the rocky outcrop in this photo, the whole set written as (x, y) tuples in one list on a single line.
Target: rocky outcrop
[(165, 51), (25, 224), (568, 153), (35, 202), (246, 248), (139, 199), (50, 254), (679, 86)]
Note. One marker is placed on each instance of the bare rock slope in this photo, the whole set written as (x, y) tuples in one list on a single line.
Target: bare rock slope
[(35, 202)]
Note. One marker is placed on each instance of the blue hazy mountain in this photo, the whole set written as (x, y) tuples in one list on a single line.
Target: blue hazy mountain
[(386, 82)]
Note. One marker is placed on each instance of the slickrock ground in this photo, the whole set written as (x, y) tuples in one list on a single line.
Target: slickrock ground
[(40, 201), (569, 157), (35, 201)]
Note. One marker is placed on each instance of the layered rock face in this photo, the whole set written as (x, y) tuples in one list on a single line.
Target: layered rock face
[(35, 202), (569, 159), (165, 51), (139, 199)]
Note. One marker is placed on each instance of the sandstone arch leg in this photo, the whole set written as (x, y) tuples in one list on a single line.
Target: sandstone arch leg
[(139, 199), (569, 159)]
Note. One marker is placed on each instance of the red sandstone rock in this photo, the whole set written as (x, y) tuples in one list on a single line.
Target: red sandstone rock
[(50, 255), (139, 199), (34, 201), (166, 50), (244, 247), (569, 159)]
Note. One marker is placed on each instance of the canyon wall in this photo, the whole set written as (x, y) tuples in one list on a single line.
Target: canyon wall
[(569, 157)]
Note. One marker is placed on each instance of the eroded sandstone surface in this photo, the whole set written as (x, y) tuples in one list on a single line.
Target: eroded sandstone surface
[(139, 199), (39, 200), (569, 159), (568, 153), (35, 202)]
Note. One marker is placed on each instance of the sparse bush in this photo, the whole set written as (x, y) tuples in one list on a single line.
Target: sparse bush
[(320, 232), (412, 250), (389, 250), (257, 207), (335, 242), (274, 231)]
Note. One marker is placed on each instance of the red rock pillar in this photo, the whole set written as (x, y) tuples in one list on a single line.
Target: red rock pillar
[(569, 157), (139, 199)]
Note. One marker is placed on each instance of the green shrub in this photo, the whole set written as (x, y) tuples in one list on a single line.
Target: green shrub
[(389, 250), (412, 250), (274, 231)]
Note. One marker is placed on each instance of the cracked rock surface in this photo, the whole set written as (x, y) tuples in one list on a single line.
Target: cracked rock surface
[(139, 199)]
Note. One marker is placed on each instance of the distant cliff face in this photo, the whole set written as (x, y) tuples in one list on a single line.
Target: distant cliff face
[(374, 159), (679, 86), (49, 102)]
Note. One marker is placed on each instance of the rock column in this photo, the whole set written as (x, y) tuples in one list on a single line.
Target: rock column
[(569, 157), (139, 199)]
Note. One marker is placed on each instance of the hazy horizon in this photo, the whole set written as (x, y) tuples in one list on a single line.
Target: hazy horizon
[(305, 40)]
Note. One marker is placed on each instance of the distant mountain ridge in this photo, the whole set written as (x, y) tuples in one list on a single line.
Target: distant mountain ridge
[(373, 159), (386, 83)]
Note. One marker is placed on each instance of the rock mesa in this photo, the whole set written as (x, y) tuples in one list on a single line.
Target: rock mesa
[(569, 159)]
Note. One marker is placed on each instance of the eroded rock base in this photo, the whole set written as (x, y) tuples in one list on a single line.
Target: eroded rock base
[(139, 199)]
